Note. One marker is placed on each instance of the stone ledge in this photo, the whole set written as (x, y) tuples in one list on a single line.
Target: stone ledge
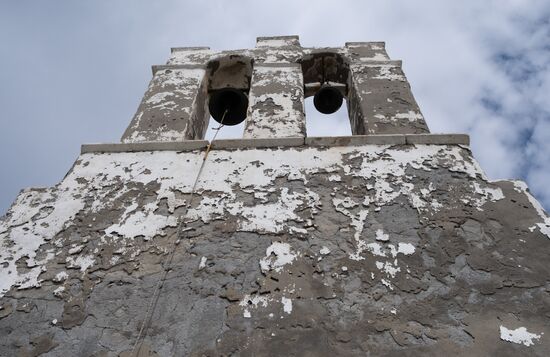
[(187, 145), (251, 143), (184, 49), (257, 143), (376, 63), (160, 67), (365, 44), (356, 140), (438, 139), (277, 64)]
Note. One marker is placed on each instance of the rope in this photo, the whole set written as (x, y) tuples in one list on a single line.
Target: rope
[(156, 293)]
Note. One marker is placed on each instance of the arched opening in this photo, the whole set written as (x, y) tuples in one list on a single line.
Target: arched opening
[(326, 87), (319, 124), (228, 88)]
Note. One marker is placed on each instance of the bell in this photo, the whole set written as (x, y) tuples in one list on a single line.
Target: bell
[(228, 106), (328, 99)]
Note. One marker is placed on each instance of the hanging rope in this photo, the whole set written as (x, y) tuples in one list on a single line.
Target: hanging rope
[(167, 267)]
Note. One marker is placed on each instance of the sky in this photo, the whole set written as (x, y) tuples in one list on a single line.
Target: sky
[(74, 72)]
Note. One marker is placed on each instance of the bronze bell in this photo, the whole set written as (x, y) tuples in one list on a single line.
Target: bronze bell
[(234, 101), (328, 99)]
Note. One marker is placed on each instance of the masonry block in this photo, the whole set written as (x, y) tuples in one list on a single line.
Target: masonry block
[(172, 109), (382, 99), (276, 100)]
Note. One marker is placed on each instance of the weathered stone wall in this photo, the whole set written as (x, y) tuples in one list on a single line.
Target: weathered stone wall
[(286, 245), (321, 251)]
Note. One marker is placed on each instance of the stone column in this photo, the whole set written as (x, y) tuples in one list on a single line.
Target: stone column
[(173, 108), (380, 98), (276, 102)]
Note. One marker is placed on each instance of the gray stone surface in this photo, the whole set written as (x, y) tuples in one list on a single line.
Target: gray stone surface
[(276, 108), (257, 143), (186, 145), (368, 245), (355, 140), (445, 139), (359, 250), (172, 109), (385, 100)]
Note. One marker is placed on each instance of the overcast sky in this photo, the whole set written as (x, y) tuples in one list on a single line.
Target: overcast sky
[(73, 72)]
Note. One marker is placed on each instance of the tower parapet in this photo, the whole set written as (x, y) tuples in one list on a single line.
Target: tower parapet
[(377, 93)]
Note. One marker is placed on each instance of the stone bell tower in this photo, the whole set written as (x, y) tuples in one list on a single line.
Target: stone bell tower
[(390, 241)]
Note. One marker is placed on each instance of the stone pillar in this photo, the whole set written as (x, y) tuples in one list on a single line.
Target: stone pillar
[(380, 98), (276, 102), (173, 108)]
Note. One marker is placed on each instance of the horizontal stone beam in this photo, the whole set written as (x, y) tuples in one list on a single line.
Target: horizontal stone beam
[(159, 67), (187, 145), (321, 141)]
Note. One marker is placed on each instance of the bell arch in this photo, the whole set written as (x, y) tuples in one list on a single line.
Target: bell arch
[(228, 88), (327, 77)]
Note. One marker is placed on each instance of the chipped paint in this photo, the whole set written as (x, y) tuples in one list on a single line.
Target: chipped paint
[(287, 305), (202, 263), (543, 226), (252, 302), (277, 255), (519, 336)]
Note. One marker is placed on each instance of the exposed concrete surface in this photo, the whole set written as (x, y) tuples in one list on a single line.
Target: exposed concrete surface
[(380, 250)]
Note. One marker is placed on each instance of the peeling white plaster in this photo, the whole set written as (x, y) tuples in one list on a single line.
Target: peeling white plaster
[(277, 255), (389, 268), (76, 249), (252, 302), (287, 305), (385, 72), (381, 236), (543, 226), (61, 276), (386, 284), (83, 262), (405, 248), (58, 292), (376, 249), (202, 263), (196, 56), (519, 336), (38, 215), (275, 114)]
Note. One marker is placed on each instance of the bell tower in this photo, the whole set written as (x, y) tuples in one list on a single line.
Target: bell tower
[(389, 241)]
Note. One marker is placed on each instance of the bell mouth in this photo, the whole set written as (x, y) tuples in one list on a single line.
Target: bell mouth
[(228, 106), (328, 99)]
